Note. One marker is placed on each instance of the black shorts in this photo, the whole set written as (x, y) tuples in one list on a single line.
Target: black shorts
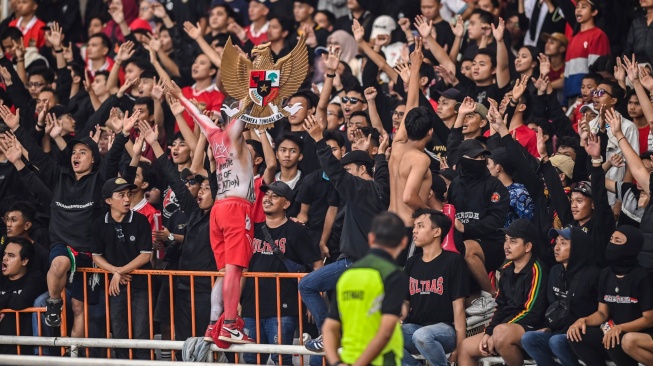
[(76, 286), (493, 253)]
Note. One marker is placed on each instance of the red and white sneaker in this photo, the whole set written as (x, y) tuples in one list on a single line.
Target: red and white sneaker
[(208, 335), (234, 335)]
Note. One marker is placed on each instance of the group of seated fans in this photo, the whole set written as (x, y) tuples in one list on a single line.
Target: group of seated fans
[(511, 137)]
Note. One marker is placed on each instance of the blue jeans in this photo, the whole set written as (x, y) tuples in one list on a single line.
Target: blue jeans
[(431, 341), (322, 280), (543, 347), (269, 335)]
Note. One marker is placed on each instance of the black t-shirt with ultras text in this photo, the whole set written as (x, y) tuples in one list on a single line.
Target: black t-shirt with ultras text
[(627, 297), (294, 241), (433, 286)]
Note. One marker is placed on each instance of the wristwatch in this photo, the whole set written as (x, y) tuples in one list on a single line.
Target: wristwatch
[(597, 161), (171, 237)]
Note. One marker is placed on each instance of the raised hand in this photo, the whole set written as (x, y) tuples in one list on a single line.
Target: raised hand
[(6, 75), (458, 29), (42, 113), (417, 57), (403, 70), (520, 87), (19, 48), (128, 84), (194, 31), (314, 128), (96, 135), (68, 52), (137, 148), (236, 29), (423, 26), (381, 41), (148, 133), (57, 128), (619, 71), (497, 32), (158, 10), (128, 122), (593, 146), (11, 119), (309, 33), (468, 106), (158, 90), (448, 76), (614, 120), (631, 68), (55, 36), (542, 84), (617, 160), (116, 11), (358, 31), (125, 52), (172, 89), (11, 147), (332, 60), (175, 106), (384, 143), (370, 93), (361, 142), (541, 143), (545, 64)]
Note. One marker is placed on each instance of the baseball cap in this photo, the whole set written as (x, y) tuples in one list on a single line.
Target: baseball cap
[(312, 3), (198, 177), (115, 185), (564, 163), (451, 93), (267, 3), (500, 156), (320, 50), (583, 187), (280, 188), (588, 107), (61, 110), (383, 25), (520, 228), (556, 36), (565, 233), (357, 156), (472, 148), (480, 109)]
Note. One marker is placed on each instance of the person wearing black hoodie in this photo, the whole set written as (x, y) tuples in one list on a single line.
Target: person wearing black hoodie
[(573, 283), (625, 304)]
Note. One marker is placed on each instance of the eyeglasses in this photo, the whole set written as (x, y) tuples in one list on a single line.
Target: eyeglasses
[(398, 114), (191, 181), (35, 85), (352, 100), (600, 92), (119, 233)]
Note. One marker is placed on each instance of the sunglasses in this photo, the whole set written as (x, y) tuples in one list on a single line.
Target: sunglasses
[(600, 92), (352, 100), (191, 181)]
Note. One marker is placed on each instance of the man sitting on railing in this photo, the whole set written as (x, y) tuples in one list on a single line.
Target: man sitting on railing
[(21, 283), (279, 245), (121, 244)]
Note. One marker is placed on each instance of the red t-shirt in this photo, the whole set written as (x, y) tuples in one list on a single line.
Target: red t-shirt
[(643, 138), (257, 212), (33, 33), (210, 99), (525, 136), (145, 208), (259, 37), (557, 74)]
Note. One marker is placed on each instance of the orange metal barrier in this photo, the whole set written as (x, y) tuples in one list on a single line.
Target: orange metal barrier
[(16, 313), (171, 275)]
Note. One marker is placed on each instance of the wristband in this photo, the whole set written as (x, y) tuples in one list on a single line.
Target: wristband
[(513, 102), (59, 50), (20, 60), (330, 75), (622, 137), (597, 161)]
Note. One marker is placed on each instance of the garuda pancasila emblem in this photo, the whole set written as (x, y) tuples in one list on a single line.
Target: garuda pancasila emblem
[(262, 84)]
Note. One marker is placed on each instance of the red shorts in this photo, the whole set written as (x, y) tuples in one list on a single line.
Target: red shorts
[(231, 232)]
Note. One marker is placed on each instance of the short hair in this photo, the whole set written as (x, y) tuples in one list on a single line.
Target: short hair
[(427, 71), (438, 219), (358, 89), (256, 146), (331, 18), (178, 136), (490, 54), (309, 96), (149, 102), (629, 94), (228, 9), (593, 76), (54, 93), (290, 137), (25, 208), (77, 69), (149, 174), (287, 24), (13, 33), (388, 230), (617, 92), (340, 114), (571, 142), (106, 42), (361, 114), (485, 16), (418, 123), (46, 73), (334, 136), (104, 73), (27, 250), (375, 141)]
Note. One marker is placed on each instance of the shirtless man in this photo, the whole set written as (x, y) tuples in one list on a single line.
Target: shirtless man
[(410, 178), (231, 226)]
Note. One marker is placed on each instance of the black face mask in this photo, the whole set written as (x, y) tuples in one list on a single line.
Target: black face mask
[(474, 169), (623, 258)]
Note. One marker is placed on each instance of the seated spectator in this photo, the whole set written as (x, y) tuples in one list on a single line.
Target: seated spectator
[(471, 120), (122, 243), (20, 284), (625, 304), (280, 245), (438, 280), (555, 49), (20, 220), (521, 203), (521, 301), (571, 294)]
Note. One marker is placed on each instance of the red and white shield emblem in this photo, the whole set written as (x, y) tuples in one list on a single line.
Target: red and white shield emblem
[(263, 86)]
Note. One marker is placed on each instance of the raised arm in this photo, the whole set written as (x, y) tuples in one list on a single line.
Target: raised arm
[(375, 118), (195, 33), (424, 27), (268, 156), (503, 71), (125, 52), (359, 35), (637, 168), (416, 59), (206, 125), (632, 70), (331, 63)]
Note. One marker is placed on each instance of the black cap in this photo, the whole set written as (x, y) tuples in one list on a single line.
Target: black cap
[(280, 188), (61, 110), (520, 228), (565, 233), (357, 156), (451, 93), (438, 185), (115, 185), (500, 156), (91, 145), (583, 187), (472, 148), (198, 178)]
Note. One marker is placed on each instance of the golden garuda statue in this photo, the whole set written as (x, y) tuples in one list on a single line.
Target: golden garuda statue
[(261, 84)]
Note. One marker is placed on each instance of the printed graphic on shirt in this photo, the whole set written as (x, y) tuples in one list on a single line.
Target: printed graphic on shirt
[(422, 287)]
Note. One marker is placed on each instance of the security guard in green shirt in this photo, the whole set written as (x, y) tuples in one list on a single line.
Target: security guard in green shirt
[(365, 312)]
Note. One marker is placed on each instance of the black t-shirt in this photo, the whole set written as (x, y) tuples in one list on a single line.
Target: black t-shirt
[(480, 94), (120, 243), (627, 297), (318, 192), (435, 285), (443, 33), (309, 162), (293, 240)]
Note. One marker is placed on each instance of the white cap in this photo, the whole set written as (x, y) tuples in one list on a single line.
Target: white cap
[(383, 25)]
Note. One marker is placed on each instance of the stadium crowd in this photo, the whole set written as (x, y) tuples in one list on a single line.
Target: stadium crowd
[(510, 140)]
